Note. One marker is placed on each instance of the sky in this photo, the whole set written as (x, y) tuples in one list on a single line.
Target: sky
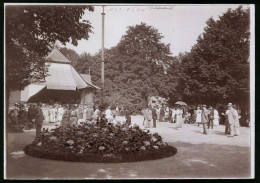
[(179, 24)]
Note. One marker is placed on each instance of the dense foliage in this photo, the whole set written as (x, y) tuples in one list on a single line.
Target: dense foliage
[(217, 68), (215, 71), (30, 33), (83, 142), (134, 72)]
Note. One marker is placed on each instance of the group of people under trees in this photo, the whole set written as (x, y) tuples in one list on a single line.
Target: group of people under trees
[(67, 115), (25, 118), (208, 117)]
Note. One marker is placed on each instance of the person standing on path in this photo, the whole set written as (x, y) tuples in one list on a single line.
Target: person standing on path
[(179, 119), (204, 119), (227, 129), (154, 114), (31, 115), (148, 117), (211, 117), (39, 119), (162, 113), (198, 115), (216, 118), (232, 116)]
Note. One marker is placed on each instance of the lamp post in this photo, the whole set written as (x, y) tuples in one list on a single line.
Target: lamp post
[(102, 60)]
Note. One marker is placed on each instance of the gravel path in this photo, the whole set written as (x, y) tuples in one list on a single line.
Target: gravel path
[(199, 156)]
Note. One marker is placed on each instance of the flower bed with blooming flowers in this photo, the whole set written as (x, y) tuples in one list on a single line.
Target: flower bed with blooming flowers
[(99, 143)]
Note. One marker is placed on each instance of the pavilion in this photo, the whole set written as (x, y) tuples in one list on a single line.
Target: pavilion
[(63, 84)]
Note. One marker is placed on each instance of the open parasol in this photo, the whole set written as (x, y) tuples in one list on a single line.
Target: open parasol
[(180, 103)]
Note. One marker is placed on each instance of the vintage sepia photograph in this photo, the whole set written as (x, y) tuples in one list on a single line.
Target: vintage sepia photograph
[(129, 91)]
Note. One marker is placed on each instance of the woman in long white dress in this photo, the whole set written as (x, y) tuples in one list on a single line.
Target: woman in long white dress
[(173, 115), (60, 113), (179, 119), (216, 118), (198, 115), (51, 113)]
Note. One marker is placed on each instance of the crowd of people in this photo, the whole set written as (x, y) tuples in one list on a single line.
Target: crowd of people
[(25, 115), (208, 117), (69, 115)]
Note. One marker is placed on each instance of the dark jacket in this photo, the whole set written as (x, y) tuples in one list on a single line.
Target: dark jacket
[(39, 116), (154, 113)]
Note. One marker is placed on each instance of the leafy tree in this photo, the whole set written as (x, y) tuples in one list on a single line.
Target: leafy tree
[(217, 68), (135, 71), (30, 33)]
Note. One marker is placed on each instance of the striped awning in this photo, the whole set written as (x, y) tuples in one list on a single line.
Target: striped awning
[(63, 77)]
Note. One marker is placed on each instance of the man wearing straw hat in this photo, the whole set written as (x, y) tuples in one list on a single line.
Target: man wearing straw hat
[(232, 116)]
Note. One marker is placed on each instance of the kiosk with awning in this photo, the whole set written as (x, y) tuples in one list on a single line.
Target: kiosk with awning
[(63, 83)]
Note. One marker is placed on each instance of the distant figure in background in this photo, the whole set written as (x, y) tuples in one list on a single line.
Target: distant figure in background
[(154, 115), (198, 115), (55, 108), (170, 115), (232, 119), (148, 117), (109, 115), (162, 114), (237, 117), (13, 118), (60, 112), (128, 117), (23, 117), (211, 117), (39, 119), (15, 113), (74, 116), (96, 114), (65, 121), (80, 113), (32, 115), (174, 114), (216, 118), (167, 113), (114, 113), (51, 114), (227, 127), (204, 119), (179, 119)]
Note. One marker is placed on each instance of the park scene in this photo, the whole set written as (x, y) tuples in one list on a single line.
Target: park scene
[(128, 92)]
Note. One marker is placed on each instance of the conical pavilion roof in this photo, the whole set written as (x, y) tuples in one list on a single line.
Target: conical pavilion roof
[(56, 56)]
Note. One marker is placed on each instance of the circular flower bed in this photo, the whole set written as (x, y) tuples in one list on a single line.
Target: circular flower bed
[(99, 143)]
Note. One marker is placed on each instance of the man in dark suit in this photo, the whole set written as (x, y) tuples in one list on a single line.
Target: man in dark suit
[(39, 119), (154, 114), (211, 117)]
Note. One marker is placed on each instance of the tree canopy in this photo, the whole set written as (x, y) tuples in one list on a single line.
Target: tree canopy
[(138, 67), (30, 33), (217, 68)]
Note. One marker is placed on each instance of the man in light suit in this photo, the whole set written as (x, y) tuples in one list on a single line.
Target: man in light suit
[(204, 119), (232, 116), (39, 119)]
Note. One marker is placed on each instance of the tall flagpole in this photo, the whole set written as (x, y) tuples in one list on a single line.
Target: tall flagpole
[(102, 61)]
